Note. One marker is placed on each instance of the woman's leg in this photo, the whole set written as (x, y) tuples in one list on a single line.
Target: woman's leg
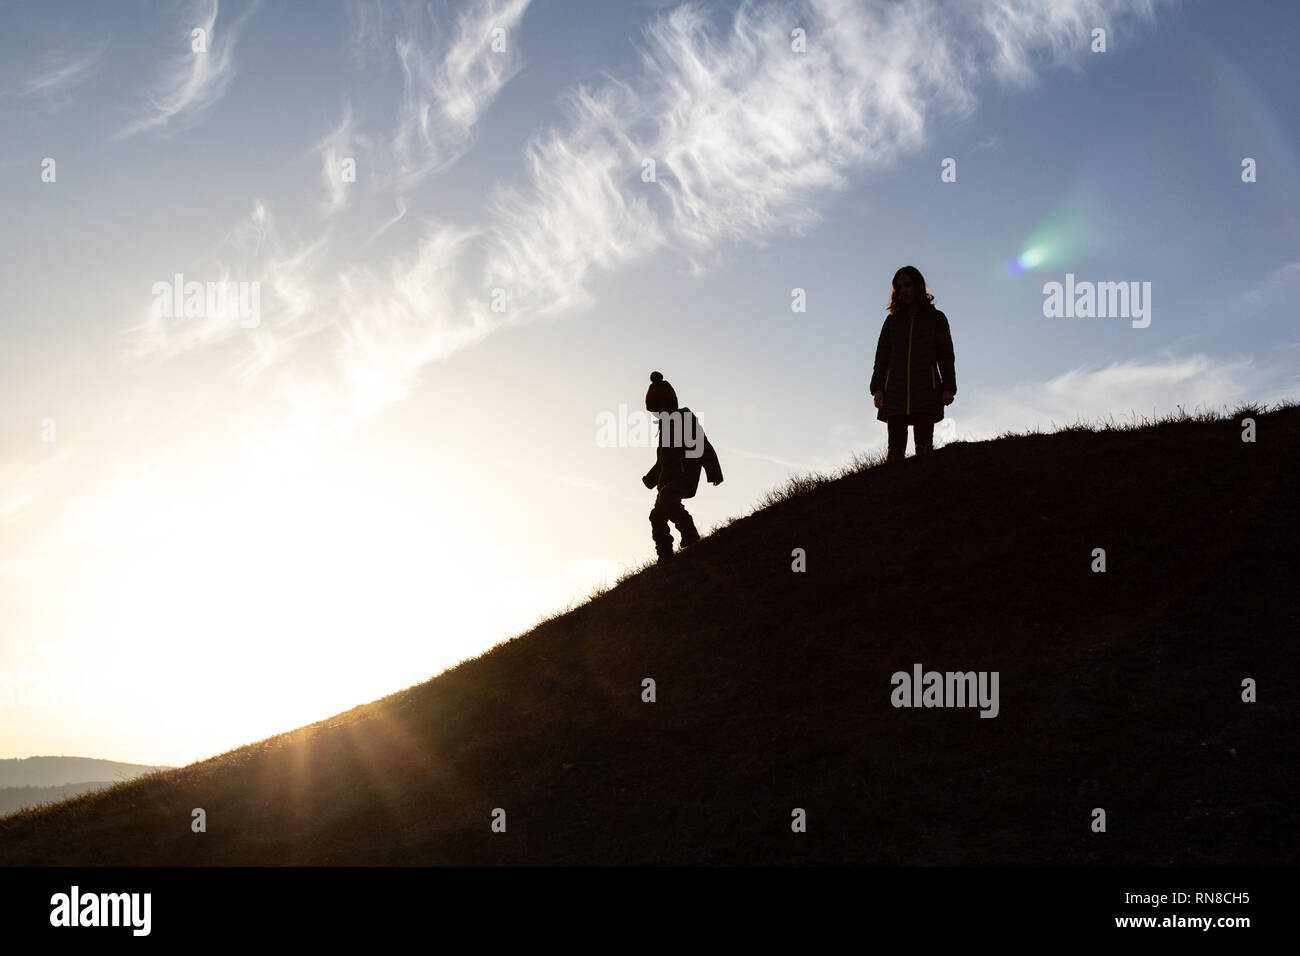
[(923, 434), (897, 439)]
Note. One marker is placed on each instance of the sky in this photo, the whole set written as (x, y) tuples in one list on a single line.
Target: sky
[(461, 235)]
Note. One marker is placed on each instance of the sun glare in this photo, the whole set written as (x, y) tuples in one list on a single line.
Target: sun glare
[(238, 608)]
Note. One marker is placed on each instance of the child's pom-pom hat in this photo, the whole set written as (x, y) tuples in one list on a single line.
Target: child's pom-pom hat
[(660, 397)]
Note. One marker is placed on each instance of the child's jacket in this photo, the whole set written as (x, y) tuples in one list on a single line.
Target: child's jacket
[(679, 433)]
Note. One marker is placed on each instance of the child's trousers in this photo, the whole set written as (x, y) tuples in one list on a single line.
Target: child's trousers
[(669, 507), (923, 433)]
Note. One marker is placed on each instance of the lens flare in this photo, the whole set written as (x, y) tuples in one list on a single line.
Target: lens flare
[(1066, 235)]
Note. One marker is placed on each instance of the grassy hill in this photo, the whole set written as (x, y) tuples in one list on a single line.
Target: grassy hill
[(1119, 690)]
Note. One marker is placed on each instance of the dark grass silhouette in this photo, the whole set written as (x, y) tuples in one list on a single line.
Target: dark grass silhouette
[(1118, 690)]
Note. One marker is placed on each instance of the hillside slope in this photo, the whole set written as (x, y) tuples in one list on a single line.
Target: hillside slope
[(1119, 690)]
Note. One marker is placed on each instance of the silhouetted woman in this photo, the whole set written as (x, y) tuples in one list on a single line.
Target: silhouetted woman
[(913, 378)]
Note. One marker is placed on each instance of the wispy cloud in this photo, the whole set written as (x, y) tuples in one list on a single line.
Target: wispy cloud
[(382, 323), (580, 484), (189, 82), (359, 346), (1277, 284), (578, 211), (393, 324), (772, 459), (1122, 390), (400, 204), (447, 83), (334, 149), (1016, 35), (449, 79), (59, 74), (289, 290), (748, 138), (369, 32), (482, 58)]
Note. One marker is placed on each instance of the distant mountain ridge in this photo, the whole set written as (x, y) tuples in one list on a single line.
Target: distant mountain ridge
[(63, 771), (13, 799)]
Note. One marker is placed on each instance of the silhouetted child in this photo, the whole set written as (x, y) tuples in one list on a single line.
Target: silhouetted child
[(683, 450), (914, 375)]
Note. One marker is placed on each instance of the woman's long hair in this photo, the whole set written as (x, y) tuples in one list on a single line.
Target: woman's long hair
[(921, 299)]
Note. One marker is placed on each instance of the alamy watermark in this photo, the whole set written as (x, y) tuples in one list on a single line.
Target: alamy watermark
[(633, 429), (211, 300), (1098, 300), (75, 908), (34, 688), (950, 689)]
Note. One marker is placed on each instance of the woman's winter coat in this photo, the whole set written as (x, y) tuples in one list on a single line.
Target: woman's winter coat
[(914, 366)]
